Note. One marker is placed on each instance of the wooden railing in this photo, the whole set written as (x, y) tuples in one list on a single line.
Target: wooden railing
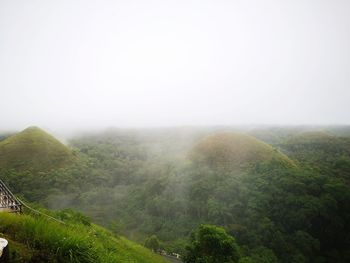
[(8, 202)]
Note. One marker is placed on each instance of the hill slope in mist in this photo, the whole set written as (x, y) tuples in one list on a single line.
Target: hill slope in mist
[(235, 150), (34, 149)]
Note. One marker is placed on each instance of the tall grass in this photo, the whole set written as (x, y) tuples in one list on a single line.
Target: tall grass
[(72, 243)]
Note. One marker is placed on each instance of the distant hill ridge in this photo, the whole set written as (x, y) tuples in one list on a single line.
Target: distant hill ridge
[(34, 149), (312, 137)]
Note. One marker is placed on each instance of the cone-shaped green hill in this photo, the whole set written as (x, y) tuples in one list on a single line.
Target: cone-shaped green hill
[(34, 149), (234, 150)]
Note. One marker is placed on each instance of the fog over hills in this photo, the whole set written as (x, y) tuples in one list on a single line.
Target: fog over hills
[(87, 64), (188, 130)]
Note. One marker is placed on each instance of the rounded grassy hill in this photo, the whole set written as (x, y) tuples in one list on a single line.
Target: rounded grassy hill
[(34, 149), (235, 150)]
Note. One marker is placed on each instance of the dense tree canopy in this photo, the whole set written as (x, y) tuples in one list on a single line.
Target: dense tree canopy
[(152, 243), (211, 244)]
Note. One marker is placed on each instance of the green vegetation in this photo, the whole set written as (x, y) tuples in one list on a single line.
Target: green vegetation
[(320, 151), (152, 243), (39, 240), (33, 149), (234, 150), (211, 244), (288, 201)]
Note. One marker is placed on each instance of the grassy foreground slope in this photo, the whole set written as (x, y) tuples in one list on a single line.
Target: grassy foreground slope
[(34, 149), (34, 239)]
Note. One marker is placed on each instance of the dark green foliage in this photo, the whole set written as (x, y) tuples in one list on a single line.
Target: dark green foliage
[(152, 243), (320, 151), (211, 244), (260, 255)]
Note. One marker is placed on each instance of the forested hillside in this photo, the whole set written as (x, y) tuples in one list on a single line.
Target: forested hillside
[(321, 151), (286, 199)]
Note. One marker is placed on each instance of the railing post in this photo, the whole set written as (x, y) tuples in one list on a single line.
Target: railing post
[(8, 200)]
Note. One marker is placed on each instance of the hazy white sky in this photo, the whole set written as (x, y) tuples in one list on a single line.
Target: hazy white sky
[(69, 64)]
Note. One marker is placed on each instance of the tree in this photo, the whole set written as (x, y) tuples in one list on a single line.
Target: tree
[(152, 243), (211, 244)]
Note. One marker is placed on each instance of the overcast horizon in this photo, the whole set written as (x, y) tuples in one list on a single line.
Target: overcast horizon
[(74, 65)]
